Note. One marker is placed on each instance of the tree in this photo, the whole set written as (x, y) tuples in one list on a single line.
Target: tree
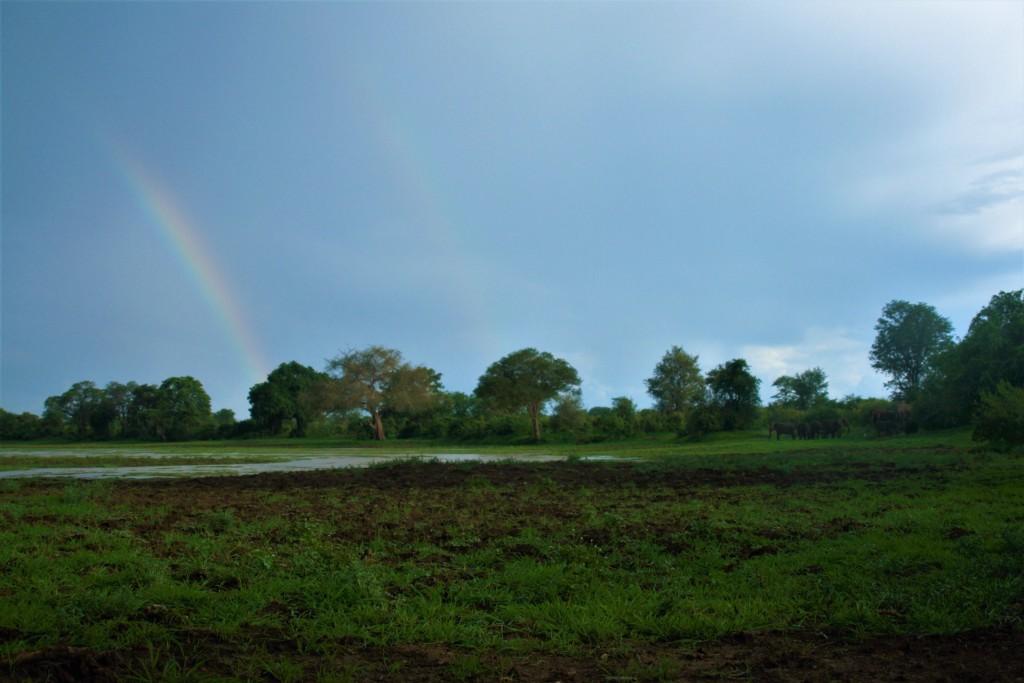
[(225, 417), (144, 419), (292, 392), (76, 408), (569, 415), (526, 379), (19, 427), (991, 352), (909, 337), (184, 408), (999, 418), (625, 409), (376, 380), (802, 391), (735, 392), (676, 384)]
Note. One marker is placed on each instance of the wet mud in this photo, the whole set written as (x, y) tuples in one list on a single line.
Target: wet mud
[(976, 656)]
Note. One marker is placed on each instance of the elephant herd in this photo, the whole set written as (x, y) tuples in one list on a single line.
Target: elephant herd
[(892, 421), (825, 429)]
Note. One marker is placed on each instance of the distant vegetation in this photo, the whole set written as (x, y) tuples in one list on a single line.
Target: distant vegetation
[(936, 382)]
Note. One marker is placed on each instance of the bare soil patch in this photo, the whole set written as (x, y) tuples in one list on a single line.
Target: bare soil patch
[(981, 656)]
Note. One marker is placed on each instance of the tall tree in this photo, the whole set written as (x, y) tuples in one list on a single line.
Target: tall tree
[(909, 337), (19, 427), (735, 393), (77, 408), (802, 391), (144, 418), (991, 352), (676, 384), (184, 408), (376, 380), (527, 378), (288, 394), (119, 398)]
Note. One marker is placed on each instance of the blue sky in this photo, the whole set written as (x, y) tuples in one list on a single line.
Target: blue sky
[(458, 181)]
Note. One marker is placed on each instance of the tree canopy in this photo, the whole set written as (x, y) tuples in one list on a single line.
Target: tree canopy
[(802, 391), (735, 392), (909, 337), (184, 407), (676, 384), (991, 352), (527, 378), (376, 379), (289, 393)]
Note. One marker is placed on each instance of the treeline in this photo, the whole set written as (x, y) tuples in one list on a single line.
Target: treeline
[(935, 381), (176, 410)]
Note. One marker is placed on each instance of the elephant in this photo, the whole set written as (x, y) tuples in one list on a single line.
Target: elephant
[(781, 428), (833, 428), (892, 421)]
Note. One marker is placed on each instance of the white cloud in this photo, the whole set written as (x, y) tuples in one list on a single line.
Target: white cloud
[(842, 356)]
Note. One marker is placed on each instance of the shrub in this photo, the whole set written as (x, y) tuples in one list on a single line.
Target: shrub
[(701, 420), (999, 418)]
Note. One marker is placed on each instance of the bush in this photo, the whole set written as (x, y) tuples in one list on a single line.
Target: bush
[(701, 420), (999, 419)]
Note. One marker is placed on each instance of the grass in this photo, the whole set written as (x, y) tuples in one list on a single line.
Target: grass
[(41, 454), (486, 568)]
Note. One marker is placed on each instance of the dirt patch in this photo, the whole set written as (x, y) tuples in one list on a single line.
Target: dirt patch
[(63, 664), (982, 656), (429, 475), (958, 532)]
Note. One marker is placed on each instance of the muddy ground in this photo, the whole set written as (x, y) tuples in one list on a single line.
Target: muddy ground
[(981, 656), (427, 475)]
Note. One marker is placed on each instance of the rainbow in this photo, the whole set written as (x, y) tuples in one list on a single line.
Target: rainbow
[(421, 183), (182, 237)]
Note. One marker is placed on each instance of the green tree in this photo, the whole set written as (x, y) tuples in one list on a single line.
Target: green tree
[(53, 420), (625, 409), (224, 422), (909, 337), (526, 379), (292, 392), (76, 409), (19, 427), (735, 392), (119, 398), (184, 408), (802, 391), (999, 418), (991, 352), (144, 419), (677, 384), (376, 380), (568, 415)]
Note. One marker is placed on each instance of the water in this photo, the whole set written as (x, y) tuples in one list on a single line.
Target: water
[(303, 464)]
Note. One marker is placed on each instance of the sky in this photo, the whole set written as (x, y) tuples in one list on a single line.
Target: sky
[(211, 189)]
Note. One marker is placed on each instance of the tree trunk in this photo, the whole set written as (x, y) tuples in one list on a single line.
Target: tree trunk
[(378, 426), (534, 410)]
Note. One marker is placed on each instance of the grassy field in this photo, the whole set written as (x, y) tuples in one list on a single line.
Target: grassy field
[(738, 558), (35, 454)]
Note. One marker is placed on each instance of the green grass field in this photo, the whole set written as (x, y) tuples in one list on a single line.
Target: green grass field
[(735, 558), (34, 454)]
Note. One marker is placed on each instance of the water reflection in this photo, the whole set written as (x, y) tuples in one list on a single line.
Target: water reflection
[(242, 468)]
